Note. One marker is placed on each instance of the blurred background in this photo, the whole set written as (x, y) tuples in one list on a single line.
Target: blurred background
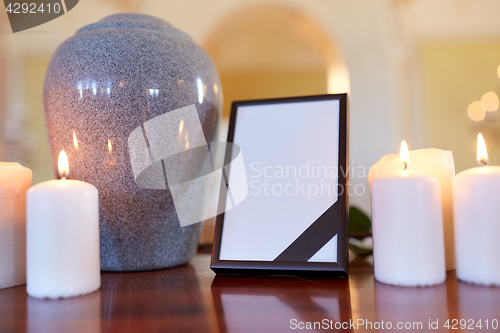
[(422, 70)]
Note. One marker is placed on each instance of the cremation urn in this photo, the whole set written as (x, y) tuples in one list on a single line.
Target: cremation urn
[(107, 93)]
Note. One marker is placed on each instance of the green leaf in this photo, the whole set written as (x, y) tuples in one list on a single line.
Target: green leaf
[(360, 251), (360, 224)]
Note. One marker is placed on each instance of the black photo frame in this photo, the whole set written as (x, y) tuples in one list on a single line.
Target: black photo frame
[(311, 126)]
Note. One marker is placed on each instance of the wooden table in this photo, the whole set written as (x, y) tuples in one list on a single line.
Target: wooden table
[(191, 299)]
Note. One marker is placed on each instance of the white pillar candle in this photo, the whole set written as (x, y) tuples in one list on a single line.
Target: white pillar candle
[(14, 181), (476, 194), (408, 243), (438, 163), (62, 237)]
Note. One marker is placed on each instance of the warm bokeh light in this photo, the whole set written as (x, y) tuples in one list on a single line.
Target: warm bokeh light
[(476, 111), (110, 146), (63, 164), (490, 101), (482, 154), (75, 141), (498, 71), (181, 126), (404, 155)]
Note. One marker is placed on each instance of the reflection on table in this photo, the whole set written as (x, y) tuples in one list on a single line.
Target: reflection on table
[(276, 304), (190, 298), (410, 308), (160, 301), (77, 314), (477, 303)]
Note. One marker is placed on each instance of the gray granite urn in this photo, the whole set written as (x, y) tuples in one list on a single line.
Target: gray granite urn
[(111, 78)]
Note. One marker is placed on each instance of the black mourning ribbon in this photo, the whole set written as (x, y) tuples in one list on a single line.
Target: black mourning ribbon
[(313, 238)]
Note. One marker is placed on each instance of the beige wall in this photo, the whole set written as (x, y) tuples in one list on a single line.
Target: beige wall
[(4, 26), (456, 74), (266, 84), (39, 157), (2, 104)]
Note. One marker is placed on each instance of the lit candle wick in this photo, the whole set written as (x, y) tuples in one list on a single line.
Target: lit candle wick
[(404, 154), (482, 153), (63, 165)]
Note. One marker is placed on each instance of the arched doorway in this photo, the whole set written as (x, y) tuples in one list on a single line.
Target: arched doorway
[(267, 52)]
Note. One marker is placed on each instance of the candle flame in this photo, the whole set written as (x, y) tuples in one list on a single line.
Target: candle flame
[(63, 164), (110, 147), (75, 141), (482, 154), (404, 155)]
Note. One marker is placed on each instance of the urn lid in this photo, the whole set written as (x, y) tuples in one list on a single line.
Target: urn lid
[(134, 21)]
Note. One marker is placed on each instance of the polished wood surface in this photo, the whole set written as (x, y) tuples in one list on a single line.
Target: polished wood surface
[(191, 299)]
